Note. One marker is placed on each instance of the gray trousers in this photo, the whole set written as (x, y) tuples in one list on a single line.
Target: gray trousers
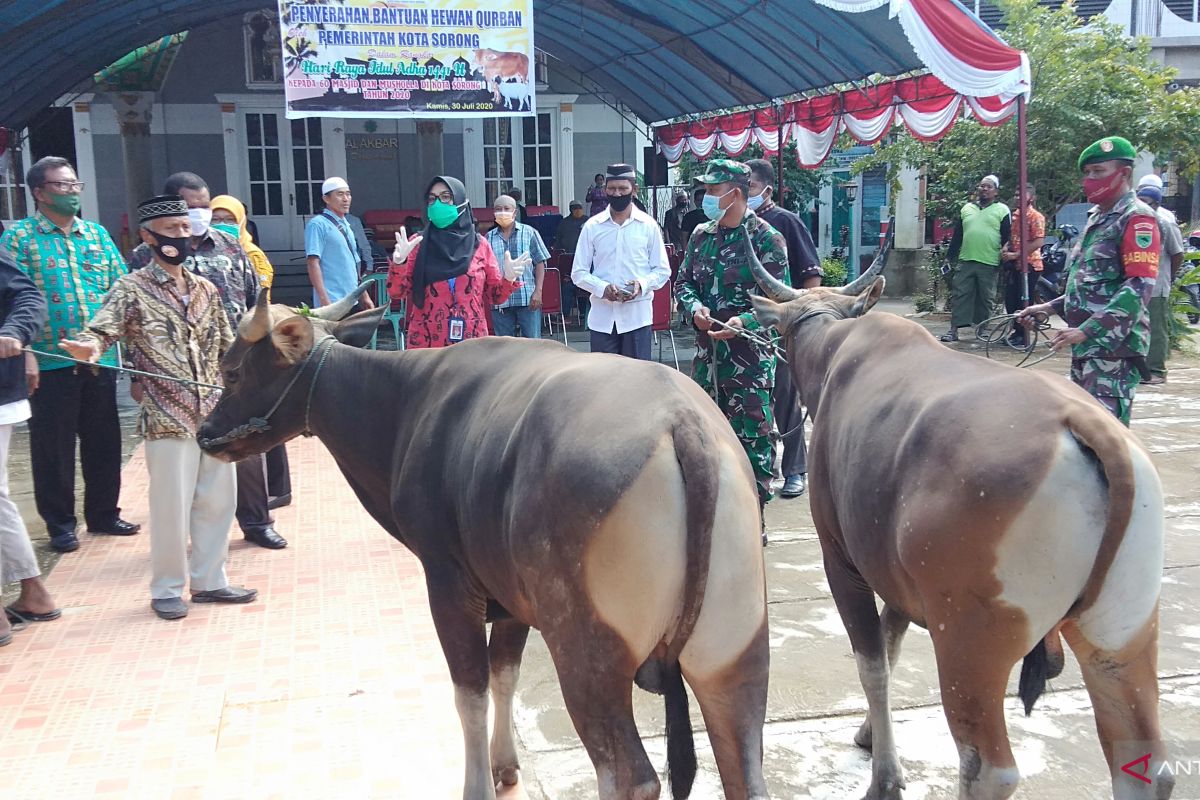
[(192, 496), (17, 561), (1160, 335)]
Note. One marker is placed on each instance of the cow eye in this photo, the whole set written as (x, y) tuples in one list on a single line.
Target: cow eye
[(231, 377)]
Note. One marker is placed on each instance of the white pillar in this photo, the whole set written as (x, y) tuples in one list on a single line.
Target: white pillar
[(235, 176), (564, 171), (910, 225), (85, 156)]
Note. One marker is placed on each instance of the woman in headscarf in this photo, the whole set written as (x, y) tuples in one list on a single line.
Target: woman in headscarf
[(448, 273), (229, 215)]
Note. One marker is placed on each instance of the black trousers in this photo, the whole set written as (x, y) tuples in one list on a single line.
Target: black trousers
[(279, 475), (789, 418), (72, 404), (252, 512), (1012, 294), (634, 344)]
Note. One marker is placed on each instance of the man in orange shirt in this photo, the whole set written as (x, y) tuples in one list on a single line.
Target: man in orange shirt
[(1010, 256)]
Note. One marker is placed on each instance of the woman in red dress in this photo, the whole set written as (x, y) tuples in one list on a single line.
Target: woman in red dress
[(448, 273)]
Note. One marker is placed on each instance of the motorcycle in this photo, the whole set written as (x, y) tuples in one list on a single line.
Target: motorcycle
[(1191, 261), (1052, 282)]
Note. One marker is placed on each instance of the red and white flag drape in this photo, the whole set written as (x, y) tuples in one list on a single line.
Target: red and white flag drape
[(973, 71)]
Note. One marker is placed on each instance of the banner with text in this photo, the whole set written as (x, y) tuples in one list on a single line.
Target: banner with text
[(407, 58)]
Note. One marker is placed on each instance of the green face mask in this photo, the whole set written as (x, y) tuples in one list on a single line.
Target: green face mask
[(443, 214), (65, 204), (227, 227)]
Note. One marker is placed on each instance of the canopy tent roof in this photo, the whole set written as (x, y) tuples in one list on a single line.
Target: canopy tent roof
[(661, 58)]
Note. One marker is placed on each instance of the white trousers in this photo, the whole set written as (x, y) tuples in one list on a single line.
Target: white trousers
[(17, 561), (191, 494)]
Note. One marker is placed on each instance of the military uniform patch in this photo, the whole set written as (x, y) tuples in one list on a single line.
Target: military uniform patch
[(1140, 248)]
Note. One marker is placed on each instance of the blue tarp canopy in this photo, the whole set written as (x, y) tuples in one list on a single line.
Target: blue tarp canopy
[(661, 58)]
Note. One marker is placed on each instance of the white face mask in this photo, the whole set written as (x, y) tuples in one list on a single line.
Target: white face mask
[(200, 219)]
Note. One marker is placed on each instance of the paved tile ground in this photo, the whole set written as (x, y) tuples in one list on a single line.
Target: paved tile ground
[(331, 685)]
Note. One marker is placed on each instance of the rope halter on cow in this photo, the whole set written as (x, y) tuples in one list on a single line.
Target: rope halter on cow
[(263, 424)]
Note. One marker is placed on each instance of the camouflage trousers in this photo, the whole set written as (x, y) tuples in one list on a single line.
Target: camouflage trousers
[(1112, 381), (749, 413)]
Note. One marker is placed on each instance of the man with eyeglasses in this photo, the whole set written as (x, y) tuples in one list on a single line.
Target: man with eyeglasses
[(74, 263), (334, 257)]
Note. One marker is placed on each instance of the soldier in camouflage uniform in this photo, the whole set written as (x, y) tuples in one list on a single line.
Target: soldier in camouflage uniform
[(715, 283), (1110, 280)]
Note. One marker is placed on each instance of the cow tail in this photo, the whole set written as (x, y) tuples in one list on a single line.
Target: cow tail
[(701, 478), (1108, 445), (1035, 669)]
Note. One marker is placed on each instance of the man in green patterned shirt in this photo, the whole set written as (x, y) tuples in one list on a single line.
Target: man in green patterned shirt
[(74, 262), (715, 284)]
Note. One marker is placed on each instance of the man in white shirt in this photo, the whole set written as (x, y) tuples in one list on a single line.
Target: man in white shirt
[(620, 260)]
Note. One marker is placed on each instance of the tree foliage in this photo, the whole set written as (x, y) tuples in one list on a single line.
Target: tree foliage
[(1089, 80), (800, 186)]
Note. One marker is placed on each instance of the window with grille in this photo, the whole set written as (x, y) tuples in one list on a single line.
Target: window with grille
[(12, 188), (260, 32), (266, 168), (308, 165), (519, 152)]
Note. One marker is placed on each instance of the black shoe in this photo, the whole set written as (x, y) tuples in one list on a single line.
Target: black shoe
[(169, 608), (266, 537), (793, 486), (230, 594), (117, 527), (64, 543), (279, 502)]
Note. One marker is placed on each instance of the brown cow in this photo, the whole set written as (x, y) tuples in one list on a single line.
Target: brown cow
[(628, 537), (993, 506), (502, 65)]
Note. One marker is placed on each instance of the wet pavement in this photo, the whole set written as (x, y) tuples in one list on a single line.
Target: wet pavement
[(332, 685)]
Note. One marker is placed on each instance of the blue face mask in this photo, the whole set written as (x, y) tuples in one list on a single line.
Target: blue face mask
[(756, 200), (712, 205)]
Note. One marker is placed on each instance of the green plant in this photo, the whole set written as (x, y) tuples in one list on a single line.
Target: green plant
[(1181, 304), (925, 303), (834, 271)]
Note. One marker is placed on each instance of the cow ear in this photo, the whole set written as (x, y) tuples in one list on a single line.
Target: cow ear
[(357, 329), (767, 311), (293, 339), (868, 298)]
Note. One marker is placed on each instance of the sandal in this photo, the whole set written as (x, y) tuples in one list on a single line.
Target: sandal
[(17, 616)]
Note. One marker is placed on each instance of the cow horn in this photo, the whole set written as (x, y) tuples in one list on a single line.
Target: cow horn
[(259, 324), (776, 289), (863, 281), (335, 311)]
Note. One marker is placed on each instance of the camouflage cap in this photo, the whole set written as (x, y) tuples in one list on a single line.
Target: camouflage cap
[(723, 170), (1110, 148)]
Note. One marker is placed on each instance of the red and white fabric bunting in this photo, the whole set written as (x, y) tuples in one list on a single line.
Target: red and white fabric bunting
[(924, 105), (973, 71)]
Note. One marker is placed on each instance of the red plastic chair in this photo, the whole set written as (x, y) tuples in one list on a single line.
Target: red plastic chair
[(552, 300), (661, 302)]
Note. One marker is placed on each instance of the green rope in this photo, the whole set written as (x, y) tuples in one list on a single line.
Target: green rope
[(125, 369)]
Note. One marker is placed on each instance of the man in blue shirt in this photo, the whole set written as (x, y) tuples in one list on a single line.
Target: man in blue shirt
[(333, 253), (524, 304)]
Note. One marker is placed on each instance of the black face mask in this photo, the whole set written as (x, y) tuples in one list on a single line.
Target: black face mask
[(172, 250), (619, 202)]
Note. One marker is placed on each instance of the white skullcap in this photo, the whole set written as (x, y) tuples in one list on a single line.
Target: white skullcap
[(995, 181), (333, 184), (1151, 180)]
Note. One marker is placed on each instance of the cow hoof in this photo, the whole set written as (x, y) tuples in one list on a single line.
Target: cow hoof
[(506, 776), (886, 790), (863, 737)]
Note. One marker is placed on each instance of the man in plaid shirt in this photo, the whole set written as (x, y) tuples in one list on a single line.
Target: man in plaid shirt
[(524, 305)]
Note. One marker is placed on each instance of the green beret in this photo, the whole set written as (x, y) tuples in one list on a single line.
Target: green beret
[(723, 170), (1110, 148)]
